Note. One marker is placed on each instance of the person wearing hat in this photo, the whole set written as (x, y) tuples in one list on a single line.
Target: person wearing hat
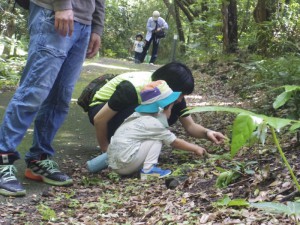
[(138, 48), (137, 143), (154, 25)]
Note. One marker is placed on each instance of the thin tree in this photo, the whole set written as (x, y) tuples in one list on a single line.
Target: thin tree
[(230, 27)]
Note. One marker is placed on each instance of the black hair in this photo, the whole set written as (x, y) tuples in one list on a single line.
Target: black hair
[(177, 75), (139, 35)]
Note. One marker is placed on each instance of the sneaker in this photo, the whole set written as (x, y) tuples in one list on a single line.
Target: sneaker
[(47, 171), (152, 64), (155, 172), (9, 185)]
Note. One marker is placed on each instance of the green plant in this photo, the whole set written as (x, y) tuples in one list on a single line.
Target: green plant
[(226, 177), (227, 202), (278, 70), (90, 181), (291, 209), (290, 93), (46, 212), (183, 169), (73, 203), (114, 176), (248, 124)]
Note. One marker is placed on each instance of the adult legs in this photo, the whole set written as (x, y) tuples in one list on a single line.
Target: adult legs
[(145, 49), (154, 50), (43, 64), (53, 66), (56, 106), (48, 52)]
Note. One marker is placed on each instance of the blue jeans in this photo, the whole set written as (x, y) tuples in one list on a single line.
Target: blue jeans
[(53, 66)]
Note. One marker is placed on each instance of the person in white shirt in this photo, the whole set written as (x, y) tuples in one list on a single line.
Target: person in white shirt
[(155, 24), (138, 48)]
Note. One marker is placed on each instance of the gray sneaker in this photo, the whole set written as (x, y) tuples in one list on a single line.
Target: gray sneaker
[(9, 185)]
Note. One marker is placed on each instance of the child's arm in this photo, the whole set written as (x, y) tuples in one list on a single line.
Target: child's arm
[(184, 145)]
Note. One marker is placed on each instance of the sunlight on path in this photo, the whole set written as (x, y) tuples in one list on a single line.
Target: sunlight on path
[(197, 100), (108, 66)]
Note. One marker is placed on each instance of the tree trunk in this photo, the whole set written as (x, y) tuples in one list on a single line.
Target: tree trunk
[(173, 9), (262, 13), (188, 13), (230, 28), (179, 29)]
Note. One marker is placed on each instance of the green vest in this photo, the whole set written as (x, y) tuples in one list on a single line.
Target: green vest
[(137, 79)]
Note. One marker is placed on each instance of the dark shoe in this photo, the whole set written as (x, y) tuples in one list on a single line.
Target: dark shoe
[(48, 172), (9, 185)]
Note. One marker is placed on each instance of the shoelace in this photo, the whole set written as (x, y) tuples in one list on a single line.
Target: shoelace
[(50, 165), (8, 172)]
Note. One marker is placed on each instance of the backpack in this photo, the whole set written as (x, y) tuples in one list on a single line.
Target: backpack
[(23, 3), (86, 97)]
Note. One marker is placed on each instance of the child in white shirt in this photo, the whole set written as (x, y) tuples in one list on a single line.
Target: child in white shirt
[(138, 46)]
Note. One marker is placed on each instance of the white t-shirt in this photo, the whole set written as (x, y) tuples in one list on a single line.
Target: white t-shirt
[(128, 138), (138, 46)]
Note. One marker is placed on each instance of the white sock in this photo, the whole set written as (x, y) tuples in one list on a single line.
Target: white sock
[(147, 167)]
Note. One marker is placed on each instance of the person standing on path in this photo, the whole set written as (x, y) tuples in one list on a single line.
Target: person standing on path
[(62, 35), (154, 25)]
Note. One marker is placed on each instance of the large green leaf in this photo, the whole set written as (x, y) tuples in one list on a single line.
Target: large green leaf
[(243, 127), (292, 208), (227, 202), (282, 99), (277, 123), (238, 202), (292, 88), (295, 126)]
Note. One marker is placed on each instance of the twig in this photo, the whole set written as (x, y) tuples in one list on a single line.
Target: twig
[(290, 196), (149, 213), (242, 181)]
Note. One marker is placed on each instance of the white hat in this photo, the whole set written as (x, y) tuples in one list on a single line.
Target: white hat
[(155, 15)]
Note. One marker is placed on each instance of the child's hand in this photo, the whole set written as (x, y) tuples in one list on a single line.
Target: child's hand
[(201, 152), (215, 137)]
